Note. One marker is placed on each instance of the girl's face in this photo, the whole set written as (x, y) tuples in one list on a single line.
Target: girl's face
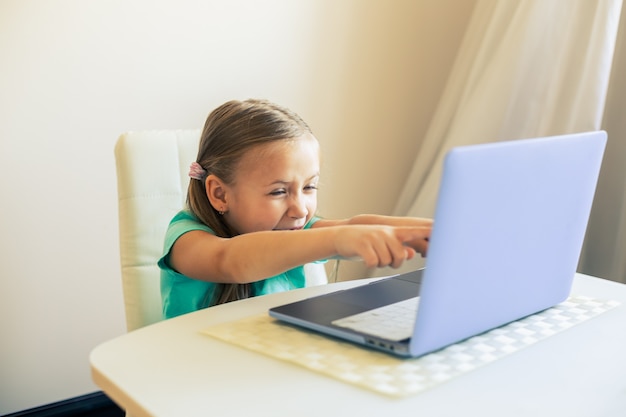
[(275, 187)]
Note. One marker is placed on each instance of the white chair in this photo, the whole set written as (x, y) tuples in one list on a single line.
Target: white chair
[(152, 180)]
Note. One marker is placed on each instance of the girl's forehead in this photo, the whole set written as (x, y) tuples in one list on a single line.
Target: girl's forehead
[(297, 154), (305, 145)]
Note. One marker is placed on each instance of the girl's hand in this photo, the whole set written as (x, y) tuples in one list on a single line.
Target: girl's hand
[(381, 246)]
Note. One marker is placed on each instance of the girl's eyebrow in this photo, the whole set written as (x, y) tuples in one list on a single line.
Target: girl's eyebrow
[(284, 182)]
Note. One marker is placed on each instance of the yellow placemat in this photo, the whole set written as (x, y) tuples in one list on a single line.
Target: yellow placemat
[(397, 377)]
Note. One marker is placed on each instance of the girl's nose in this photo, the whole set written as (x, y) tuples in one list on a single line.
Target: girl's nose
[(297, 208)]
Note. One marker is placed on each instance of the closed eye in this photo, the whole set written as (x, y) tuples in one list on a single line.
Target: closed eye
[(278, 192)]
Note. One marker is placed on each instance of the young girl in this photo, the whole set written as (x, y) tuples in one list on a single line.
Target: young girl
[(250, 223)]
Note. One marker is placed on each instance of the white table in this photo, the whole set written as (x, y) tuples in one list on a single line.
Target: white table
[(171, 369)]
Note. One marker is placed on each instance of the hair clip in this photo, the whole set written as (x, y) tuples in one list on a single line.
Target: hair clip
[(197, 172)]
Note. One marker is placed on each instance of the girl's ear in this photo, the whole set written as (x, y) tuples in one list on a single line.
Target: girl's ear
[(216, 192)]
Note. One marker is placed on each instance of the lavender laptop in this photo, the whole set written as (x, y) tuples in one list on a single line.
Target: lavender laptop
[(509, 227)]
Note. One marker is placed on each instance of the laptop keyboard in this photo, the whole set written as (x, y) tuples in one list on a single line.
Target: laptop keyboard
[(392, 322)]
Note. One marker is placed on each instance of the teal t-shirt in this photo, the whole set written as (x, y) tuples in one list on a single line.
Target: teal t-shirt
[(181, 294)]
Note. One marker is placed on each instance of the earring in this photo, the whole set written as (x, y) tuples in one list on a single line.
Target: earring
[(221, 212)]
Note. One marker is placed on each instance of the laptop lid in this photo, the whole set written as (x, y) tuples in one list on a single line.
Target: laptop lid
[(509, 226)]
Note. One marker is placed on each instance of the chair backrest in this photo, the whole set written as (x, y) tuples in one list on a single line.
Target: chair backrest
[(152, 181), (152, 168)]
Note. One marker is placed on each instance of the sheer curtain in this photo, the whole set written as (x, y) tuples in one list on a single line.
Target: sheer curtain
[(525, 68), (604, 254)]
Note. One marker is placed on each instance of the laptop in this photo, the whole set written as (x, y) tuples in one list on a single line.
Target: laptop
[(508, 229)]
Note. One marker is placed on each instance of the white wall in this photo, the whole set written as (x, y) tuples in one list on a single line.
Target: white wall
[(75, 74)]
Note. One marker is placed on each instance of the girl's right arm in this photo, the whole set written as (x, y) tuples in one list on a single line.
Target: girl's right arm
[(254, 256)]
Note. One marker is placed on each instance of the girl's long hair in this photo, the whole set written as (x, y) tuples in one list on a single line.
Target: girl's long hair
[(230, 131)]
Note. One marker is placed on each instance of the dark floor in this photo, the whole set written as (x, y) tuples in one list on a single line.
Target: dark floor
[(90, 405)]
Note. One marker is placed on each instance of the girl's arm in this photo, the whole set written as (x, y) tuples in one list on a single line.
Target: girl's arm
[(254, 256), (419, 244), (377, 219)]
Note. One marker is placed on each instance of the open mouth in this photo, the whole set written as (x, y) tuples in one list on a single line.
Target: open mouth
[(291, 228)]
